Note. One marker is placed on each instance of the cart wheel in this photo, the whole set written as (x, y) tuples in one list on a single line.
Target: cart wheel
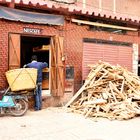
[(20, 108)]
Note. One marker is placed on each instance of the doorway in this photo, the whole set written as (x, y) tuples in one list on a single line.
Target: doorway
[(48, 49), (39, 46)]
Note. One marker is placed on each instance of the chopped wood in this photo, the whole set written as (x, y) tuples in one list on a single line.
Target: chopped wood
[(86, 83), (109, 91), (97, 101)]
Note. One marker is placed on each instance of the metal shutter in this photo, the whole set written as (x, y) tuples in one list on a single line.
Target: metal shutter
[(113, 54)]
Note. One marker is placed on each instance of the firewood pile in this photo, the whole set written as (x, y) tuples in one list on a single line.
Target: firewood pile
[(109, 91)]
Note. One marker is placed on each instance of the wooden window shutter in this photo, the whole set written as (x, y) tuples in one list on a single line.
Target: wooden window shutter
[(57, 67), (14, 51)]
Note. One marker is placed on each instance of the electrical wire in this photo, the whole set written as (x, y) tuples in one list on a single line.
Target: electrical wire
[(64, 1)]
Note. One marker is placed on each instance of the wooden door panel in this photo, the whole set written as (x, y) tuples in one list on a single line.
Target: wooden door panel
[(53, 68), (60, 66), (57, 66), (53, 52), (60, 51), (53, 81), (14, 51), (60, 81)]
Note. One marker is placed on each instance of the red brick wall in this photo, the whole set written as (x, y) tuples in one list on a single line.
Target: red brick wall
[(73, 43), (7, 27)]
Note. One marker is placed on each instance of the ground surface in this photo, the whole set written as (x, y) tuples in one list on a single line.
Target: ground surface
[(57, 124)]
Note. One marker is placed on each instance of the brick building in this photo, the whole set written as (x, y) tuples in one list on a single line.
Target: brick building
[(81, 33)]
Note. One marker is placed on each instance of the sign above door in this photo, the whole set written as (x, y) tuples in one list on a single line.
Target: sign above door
[(32, 30)]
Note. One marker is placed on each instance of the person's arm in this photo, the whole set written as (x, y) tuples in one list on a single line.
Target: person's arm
[(26, 66), (44, 65)]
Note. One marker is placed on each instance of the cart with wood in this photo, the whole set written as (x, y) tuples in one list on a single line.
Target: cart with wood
[(14, 100)]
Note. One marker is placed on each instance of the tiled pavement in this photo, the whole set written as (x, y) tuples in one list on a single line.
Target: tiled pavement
[(57, 124)]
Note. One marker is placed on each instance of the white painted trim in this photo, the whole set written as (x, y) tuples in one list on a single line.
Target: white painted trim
[(84, 4), (135, 59), (114, 6), (103, 25), (46, 93), (100, 5)]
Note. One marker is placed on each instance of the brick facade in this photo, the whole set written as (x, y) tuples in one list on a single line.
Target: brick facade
[(73, 43), (7, 27)]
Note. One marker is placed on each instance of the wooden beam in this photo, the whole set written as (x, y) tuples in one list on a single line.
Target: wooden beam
[(104, 25)]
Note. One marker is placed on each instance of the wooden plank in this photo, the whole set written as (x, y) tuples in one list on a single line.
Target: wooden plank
[(97, 101), (114, 87), (104, 25), (87, 114), (122, 87), (113, 93), (84, 86), (109, 94)]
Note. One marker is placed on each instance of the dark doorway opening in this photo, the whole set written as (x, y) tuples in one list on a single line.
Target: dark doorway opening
[(40, 46), (29, 44)]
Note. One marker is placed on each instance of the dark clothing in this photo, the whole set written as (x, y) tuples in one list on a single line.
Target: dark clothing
[(39, 66), (38, 96)]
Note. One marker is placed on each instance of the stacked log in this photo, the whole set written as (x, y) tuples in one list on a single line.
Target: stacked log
[(109, 91)]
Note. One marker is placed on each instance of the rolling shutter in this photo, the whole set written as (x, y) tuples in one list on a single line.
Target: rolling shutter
[(14, 51), (113, 54), (57, 66)]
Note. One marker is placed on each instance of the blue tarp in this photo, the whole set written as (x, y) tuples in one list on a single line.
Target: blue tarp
[(30, 17)]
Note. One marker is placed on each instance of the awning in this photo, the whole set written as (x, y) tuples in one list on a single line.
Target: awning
[(76, 9), (30, 17)]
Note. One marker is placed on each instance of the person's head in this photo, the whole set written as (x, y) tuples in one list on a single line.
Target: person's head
[(34, 58)]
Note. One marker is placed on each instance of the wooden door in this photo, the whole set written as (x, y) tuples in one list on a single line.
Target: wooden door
[(14, 51), (53, 68), (57, 66), (60, 66)]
